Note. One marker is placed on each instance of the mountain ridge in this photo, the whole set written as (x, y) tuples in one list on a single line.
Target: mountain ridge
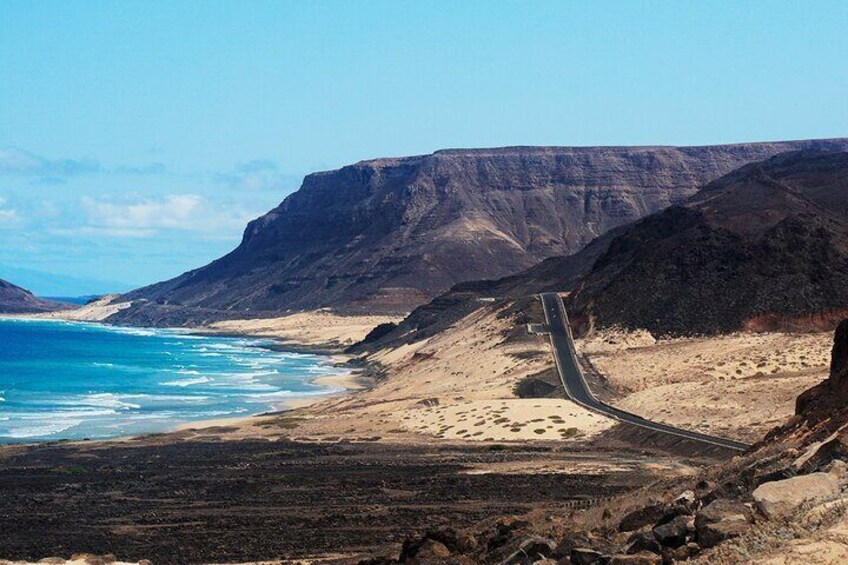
[(390, 234), (765, 247), (17, 300)]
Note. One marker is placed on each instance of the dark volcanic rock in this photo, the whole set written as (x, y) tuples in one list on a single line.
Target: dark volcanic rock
[(673, 533), (722, 520), (839, 356), (765, 247), (822, 400), (16, 300), (390, 234), (642, 517)]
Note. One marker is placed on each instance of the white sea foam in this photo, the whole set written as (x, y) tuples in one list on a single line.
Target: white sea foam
[(41, 429), (186, 382), (133, 331)]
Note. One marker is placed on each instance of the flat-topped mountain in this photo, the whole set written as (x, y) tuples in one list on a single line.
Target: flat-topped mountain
[(764, 247), (389, 234), (16, 300)]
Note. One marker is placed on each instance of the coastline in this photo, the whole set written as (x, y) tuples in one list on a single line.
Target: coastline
[(346, 381)]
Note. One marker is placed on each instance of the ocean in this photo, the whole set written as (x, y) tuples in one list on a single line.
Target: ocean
[(71, 380)]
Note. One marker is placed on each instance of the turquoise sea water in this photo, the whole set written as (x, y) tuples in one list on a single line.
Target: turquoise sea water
[(68, 380)]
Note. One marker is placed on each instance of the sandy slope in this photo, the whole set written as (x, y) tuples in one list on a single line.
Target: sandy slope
[(318, 328), (738, 386), (458, 385), (96, 311)]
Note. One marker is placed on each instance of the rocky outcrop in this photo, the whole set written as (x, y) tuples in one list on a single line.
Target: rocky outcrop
[(839, 358), (765, 247), (721, 520), (779, 499), (829, 399), (16, 300), (390, 234)]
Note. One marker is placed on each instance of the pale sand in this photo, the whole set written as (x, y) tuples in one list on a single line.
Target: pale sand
[(461, 379), (318, 328), (96, 311), (510, 419), (738, 386)]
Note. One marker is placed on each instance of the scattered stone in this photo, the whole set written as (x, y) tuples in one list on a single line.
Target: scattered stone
[(584, 556), (722, 520), (466, 543), (673, 534), (703, 491), (645, 558), (838, 469), (537, 548), (781, 498), (643, 541), (642, 517), (428, 402), (685, 552), (686, 498), (673, 512), (432, 549), (819, 454)]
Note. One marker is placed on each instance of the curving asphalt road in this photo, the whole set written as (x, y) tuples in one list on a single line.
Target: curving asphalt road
[(576, 388)]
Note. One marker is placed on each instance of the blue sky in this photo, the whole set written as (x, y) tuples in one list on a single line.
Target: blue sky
[(137, 138)]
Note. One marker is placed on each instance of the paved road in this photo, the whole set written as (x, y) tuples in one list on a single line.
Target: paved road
[(574, 382)]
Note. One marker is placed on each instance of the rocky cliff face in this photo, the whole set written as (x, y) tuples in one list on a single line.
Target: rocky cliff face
[(765, 247), (16, 300), (390, 234)]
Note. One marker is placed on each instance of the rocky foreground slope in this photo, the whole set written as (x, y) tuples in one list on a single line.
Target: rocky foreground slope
[(784, 502), (16, 300), (389, 234)]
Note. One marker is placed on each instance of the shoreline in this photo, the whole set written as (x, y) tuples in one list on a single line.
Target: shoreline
[(347, 381)]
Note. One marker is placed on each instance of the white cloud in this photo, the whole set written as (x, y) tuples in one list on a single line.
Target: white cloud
[(144, 218), (258, 175), (14, 161), (19, 162), (8, 216)]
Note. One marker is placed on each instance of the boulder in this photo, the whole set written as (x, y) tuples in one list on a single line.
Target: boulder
[(704, 492), (721, 520), (584, 556), (642, 517), (779, 499), (537, 548), (431, 549), (820, 453), (645, 558), (685, 498), (582, 540), (837, 469), (673, 534), (685, 552), (466, 543), (643, 541)]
